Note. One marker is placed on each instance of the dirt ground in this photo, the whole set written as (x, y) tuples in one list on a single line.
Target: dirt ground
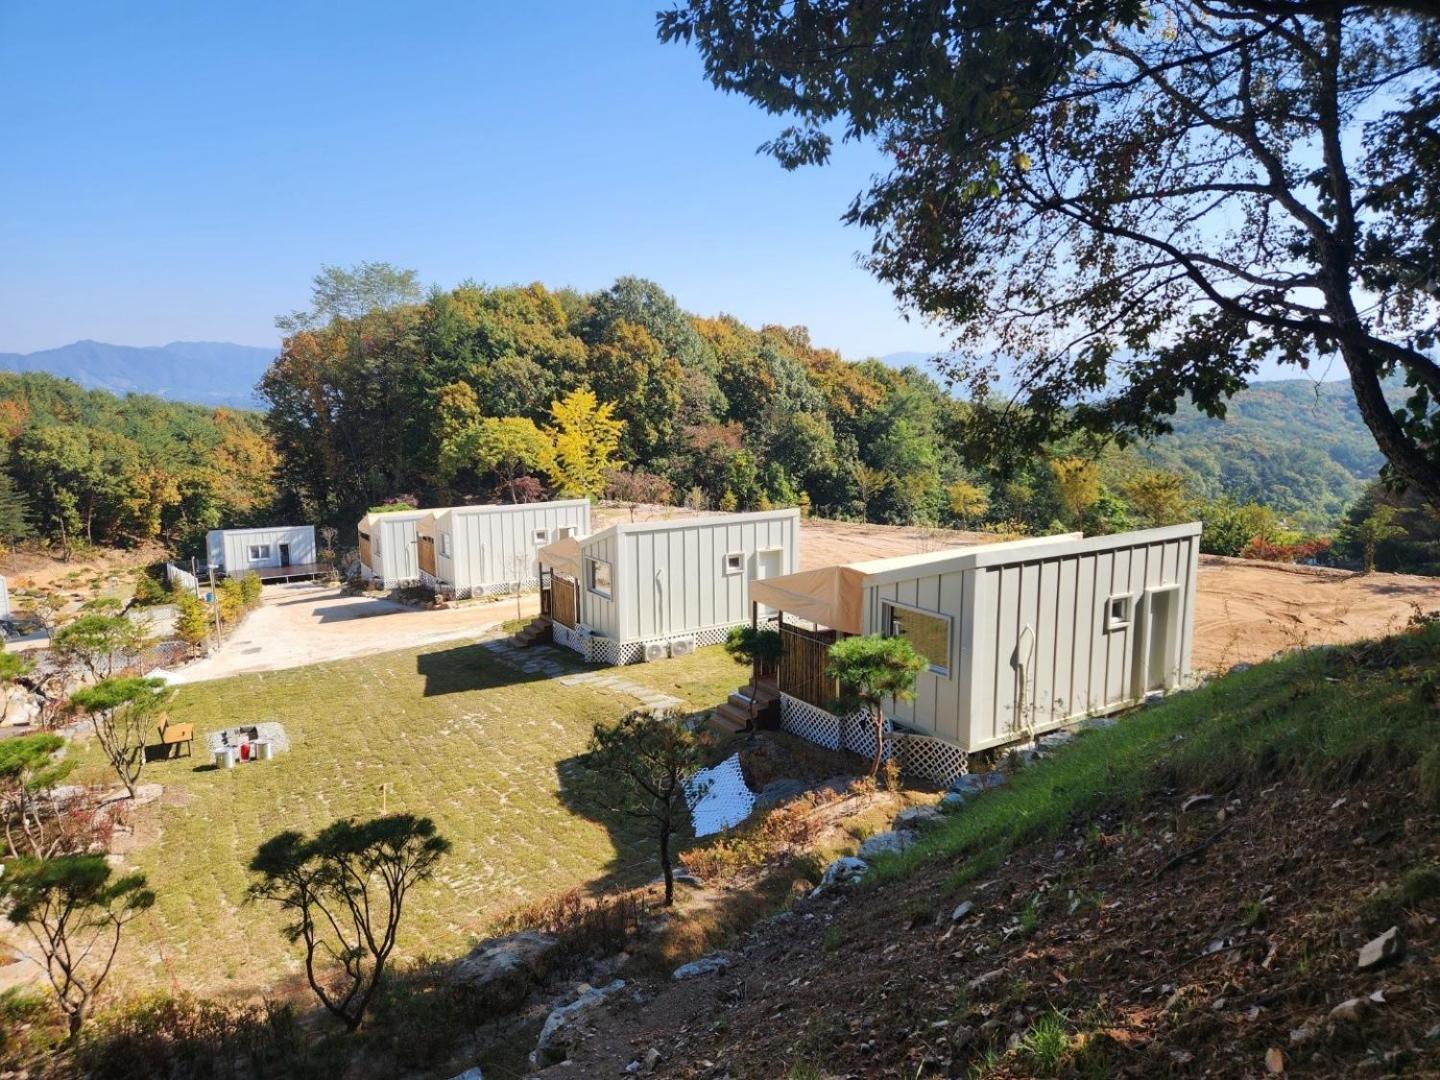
[(301, 623), (1249, 611)]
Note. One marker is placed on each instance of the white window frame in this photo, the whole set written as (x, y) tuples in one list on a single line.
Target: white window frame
[(564, 532), (445, 548), (590, 577), (259, 552), (887, 614), (541, 536), (1127, 611), (739, 567)]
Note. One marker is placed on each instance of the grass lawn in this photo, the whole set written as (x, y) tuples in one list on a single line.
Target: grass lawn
[(487, 751)]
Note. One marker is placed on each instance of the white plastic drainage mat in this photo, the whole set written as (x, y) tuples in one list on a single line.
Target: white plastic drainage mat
[(718, 797)]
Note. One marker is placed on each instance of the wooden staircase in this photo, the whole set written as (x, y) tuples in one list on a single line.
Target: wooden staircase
[(734, 714), (536, 632)]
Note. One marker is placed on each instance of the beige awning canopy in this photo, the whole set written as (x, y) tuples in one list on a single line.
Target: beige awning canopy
[(831, 596), (562, 556)]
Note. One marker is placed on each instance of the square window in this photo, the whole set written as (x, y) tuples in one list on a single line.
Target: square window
[(598, 577), (1117, 612), (445, 544), (259, 551), (734, 562), (927, 631), (542, 536)]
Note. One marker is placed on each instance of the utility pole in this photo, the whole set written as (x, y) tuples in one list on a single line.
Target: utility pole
[(215, 605)]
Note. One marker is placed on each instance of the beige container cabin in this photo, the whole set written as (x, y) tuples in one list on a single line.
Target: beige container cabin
[(1022, 637)]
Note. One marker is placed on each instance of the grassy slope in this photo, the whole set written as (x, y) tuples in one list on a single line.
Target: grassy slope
[(1326, 714), (484, 750)]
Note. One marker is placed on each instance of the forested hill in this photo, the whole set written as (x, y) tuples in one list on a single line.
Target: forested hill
[(1296, 445), (202, 372)]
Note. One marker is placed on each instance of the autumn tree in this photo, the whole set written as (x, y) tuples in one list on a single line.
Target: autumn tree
[(968, 501), (507, 446), (585, 437), (649, 756), (1159, 497), (74, 910), (123, 713), (1133, 203), (1077, 483), (344, 892)]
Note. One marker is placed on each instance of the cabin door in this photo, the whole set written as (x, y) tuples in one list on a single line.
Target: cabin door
[(1157, 652), (769, 563), (284, 554)]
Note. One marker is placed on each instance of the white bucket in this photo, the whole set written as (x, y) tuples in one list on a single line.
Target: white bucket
[(225, 757)]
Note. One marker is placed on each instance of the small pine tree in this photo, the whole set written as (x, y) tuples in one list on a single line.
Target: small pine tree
[(192, 618), (15, 517)]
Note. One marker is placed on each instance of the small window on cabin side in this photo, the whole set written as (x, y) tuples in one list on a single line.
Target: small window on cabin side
[(259, 551), (1117, 613), (445, 544), (599, 577), (542, 536), (734, 562), (927, 631), (565, 532)]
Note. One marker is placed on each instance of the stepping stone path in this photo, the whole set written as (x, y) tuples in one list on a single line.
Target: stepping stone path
[(537, 661)]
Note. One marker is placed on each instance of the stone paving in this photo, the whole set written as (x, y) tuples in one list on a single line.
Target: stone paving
[(538, 660)]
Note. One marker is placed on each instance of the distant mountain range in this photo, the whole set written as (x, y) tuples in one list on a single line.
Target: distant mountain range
[(203, 372)]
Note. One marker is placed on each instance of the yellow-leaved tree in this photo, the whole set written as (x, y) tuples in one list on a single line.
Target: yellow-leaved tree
[(585, 436)]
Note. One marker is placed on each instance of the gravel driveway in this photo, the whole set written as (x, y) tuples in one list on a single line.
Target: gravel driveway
[(300, 624)]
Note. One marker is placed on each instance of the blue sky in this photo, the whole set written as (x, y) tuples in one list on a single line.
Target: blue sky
[(180, 170)]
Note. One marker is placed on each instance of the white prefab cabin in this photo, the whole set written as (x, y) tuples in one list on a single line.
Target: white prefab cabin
[(1022, 637), (645, 590), (466, 551), (388, 548), (271, 548)]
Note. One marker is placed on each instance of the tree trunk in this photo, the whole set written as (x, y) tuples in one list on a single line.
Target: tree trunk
[(665, 866), (1409, 460), (75, 1021), (878, 715), (754, 689)]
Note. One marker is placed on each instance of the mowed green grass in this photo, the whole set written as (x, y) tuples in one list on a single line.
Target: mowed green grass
[(489, 752)]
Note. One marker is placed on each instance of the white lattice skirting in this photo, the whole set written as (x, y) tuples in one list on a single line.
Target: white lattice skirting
[(603, 650), (920, 755)]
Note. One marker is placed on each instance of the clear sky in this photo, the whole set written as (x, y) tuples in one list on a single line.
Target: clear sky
[(180, 170)]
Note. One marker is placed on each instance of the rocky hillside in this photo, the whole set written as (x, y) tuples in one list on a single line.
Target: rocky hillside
[(1242, 881)]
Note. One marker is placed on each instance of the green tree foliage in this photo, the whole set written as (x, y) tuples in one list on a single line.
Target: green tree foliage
[(871, 668), (344, 892), (1134, 203), (650, 755), (85, 466), (507, 446), (758, 646), (1412, 542), (100, 644), (1230, 526), (1368, 532), (74, 910), (123, 713), (30, 767), (192, 618)]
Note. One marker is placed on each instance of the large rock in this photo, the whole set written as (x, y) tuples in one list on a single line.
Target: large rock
[(1381, 950), (844, 869), (502, 971), (972, 784), (565, 1026), (917, 817), (778, 792), (706, 965), (886, 843)]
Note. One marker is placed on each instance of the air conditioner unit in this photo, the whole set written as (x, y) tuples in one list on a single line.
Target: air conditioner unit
[(684, 646), (655, 650)]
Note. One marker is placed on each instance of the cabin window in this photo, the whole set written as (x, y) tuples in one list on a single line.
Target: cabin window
[(565, 532), (259, 551), (598, 577), (734, 562), (927, 631), (445, 544), (1117, 613), (542, 536)]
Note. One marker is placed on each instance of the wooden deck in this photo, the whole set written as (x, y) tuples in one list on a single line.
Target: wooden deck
[(289, 573)]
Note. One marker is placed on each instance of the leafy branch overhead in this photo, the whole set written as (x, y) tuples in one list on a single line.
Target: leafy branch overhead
[(1133, 204)]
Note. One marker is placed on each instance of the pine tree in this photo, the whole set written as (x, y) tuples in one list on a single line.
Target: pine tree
[(15, 520)]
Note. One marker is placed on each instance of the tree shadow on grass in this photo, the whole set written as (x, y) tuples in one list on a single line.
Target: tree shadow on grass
[(465, 668)]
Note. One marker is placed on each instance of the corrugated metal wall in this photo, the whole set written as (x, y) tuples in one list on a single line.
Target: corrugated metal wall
[(673, 579), (596, 611), (396, 562), (493, 545)]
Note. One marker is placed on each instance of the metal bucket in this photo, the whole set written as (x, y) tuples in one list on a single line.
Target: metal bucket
[(225, 757), (262, 750)]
